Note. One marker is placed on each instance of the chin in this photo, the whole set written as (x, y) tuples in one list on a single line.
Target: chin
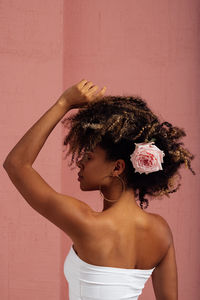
[(83, 188), (87, 188)]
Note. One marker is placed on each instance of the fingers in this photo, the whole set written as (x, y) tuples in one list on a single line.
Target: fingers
[(101, 93), (97, 95), (90, 88), (82, 83), (88, 85)]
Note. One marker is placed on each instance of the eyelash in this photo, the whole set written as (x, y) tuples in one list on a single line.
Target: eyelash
[(87, 157)]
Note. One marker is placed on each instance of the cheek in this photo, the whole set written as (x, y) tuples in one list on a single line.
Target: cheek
[(95, 171)]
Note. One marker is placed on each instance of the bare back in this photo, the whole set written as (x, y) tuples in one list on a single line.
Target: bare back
[(135, 241)]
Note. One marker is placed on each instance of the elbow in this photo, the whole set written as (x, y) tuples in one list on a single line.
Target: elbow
[(11, 164), (8, 163)]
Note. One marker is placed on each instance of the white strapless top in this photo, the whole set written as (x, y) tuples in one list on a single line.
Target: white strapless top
[(92, 282)]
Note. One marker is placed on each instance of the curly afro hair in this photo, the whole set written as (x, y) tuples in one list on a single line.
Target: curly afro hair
[(117, 122)]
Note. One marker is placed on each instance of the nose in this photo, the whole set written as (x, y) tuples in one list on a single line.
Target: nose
[(79, 163)]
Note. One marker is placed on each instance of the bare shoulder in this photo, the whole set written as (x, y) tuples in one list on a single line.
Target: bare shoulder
[(159, 218), (162, 226)]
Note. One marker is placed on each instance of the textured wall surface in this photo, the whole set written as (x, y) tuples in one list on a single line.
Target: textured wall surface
[(145, 47), (150, 48), (31, 80)]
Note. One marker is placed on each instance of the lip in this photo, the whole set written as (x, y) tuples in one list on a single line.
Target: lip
[(79, 176)]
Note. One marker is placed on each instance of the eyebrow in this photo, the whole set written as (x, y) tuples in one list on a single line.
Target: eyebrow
[(90, 151)]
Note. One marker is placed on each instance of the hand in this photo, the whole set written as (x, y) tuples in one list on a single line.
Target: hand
[(81, 94)]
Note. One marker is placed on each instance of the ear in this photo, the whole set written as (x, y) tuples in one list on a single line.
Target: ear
[(119, 167)]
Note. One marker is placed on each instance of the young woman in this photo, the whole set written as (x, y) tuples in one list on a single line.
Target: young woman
[(125, 152)]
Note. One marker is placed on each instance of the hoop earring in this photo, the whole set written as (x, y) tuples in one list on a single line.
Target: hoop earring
[(123, 188)]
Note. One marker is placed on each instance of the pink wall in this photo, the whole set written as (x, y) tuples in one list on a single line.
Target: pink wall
[(149, 48), (141, 47), (31, 80)]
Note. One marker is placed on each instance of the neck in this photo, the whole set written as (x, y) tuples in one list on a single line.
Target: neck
[(127, 199)]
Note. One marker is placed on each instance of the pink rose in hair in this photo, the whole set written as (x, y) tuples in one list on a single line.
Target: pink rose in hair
[(147, 158)]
